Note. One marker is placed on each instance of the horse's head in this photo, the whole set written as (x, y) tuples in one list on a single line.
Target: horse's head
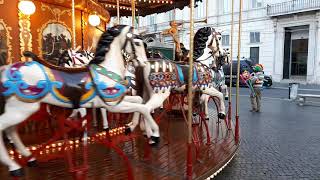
[(78, 58), (89, 54), (227, 56), (215, 46), (135, 48), (116, 41), (219, 61)]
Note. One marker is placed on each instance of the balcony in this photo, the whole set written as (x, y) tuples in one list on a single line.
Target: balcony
[(291, 7)]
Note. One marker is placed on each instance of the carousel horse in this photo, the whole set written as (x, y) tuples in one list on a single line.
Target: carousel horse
[(74, 58), (218, 75), (218, 78), (164, 76), (24, 85)]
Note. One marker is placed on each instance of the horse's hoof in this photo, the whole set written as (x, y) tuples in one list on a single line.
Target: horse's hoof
[(207, 119), (106, 130), (226, 98), (127, 130), (156, 140), (17, 173), (33, 163), (221, 116)]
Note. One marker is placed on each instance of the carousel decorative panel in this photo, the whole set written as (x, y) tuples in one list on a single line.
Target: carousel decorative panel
[(55, 39), (5, 45)]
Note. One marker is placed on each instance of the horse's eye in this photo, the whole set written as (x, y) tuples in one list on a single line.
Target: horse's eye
[(81, 55), (136, 43)]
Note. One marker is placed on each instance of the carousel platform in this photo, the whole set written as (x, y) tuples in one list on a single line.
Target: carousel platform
[(165, 161)]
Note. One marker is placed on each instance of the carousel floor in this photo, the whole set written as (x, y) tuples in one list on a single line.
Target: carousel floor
[(166, 161)]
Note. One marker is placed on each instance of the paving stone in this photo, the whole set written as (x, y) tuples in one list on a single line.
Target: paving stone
[(281, 142)]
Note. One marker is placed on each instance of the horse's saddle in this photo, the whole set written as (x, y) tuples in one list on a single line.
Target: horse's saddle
[(73, 88), (201, 74)]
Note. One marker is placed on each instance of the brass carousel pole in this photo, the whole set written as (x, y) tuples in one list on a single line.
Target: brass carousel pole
[(207, 5), (133, 6), (73, 25), (231, 74), (238, 75), (190, 94), (118, 11)]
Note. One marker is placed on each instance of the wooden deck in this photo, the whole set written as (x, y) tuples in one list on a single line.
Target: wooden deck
[(166, 161)]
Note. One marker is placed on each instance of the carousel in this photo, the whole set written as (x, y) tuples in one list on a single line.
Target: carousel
[(84, 99)]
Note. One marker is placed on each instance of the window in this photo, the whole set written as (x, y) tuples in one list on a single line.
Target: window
[(225, 40), (256, 3), (199, 10), (152, 20), (254, 37), (171, 15), (226, 6)]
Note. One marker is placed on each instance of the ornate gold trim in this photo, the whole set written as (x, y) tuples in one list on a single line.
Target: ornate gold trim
[(25, 35), (43, 27), (9, 38), (1, 1), (55, 11)]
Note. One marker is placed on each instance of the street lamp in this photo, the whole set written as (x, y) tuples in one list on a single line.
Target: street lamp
[(94, 19), (27, 7)]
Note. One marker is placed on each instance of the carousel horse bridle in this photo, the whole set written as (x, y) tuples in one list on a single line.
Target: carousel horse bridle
[(130, 37)]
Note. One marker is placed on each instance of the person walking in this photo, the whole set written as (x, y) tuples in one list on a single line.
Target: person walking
[(256, 79)]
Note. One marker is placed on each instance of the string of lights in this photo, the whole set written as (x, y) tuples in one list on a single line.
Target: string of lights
[(63, 145)]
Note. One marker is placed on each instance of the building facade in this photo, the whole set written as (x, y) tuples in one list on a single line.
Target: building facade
[(283, 35)]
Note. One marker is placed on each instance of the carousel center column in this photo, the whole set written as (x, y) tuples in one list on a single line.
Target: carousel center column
[(26, 9)]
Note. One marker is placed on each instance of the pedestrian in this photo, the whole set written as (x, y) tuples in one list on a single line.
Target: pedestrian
[(256, 79)]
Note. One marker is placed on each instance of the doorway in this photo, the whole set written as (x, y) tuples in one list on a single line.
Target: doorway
[(299, 58), (254, 55), (295, 52)]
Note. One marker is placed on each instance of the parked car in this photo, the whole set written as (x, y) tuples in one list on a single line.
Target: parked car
[(245, 64)]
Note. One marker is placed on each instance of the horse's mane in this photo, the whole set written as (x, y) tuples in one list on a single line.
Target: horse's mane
[(104, 43), (200, 39)]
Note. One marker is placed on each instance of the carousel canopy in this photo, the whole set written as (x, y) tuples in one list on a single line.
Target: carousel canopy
[(144, 7)]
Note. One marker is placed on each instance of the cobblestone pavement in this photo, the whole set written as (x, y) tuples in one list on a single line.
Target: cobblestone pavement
[(281, 142)]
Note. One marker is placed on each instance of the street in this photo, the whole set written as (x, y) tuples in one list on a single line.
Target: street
[(281, 142)]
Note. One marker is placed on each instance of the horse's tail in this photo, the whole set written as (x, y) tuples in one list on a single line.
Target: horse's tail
[(30, 54), (139, 80)]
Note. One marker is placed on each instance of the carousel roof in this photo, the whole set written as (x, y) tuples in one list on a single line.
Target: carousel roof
[(144, 7)]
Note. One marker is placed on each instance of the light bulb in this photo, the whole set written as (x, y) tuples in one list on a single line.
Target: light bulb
[(94, 20), (27, 7)]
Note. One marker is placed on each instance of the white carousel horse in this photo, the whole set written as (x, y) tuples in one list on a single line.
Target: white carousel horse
[(85, 60), (164, 76), (24, 85), (218, 79)]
